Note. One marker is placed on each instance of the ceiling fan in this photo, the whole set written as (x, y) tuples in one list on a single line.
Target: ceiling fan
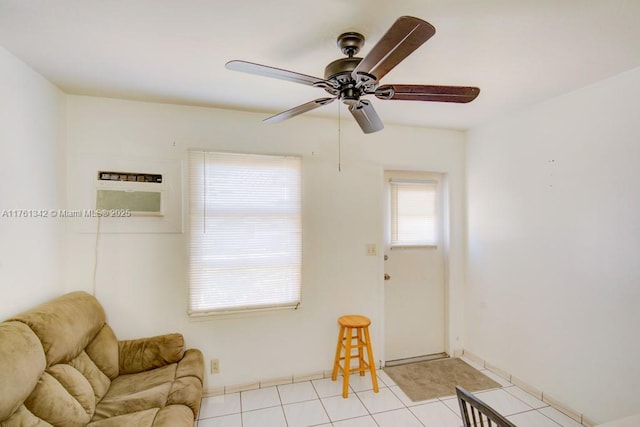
[(350, 79)]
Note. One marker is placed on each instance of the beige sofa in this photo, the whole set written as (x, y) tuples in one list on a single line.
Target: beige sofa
[(61, 365)]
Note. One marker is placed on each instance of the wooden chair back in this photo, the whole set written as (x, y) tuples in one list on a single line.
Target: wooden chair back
[(476, 413)]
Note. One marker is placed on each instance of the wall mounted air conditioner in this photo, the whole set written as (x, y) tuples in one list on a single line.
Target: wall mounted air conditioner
[(134, 193)]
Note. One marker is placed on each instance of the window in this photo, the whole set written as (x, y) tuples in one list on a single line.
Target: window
[(414, 213), (245, 230)]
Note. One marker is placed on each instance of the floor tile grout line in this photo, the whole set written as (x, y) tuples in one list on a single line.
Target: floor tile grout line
[(535, 410), (545, 403), (365, 406), (404, 406), (284, 414), (322, 403)]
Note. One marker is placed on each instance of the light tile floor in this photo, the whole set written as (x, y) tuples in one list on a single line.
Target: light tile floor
[(320, 403)]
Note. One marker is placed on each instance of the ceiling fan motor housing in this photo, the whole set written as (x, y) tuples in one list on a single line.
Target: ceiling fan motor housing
[(340, 69), (339, 72)]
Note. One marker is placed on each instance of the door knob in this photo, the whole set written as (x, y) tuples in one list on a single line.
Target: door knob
[(386, 276)]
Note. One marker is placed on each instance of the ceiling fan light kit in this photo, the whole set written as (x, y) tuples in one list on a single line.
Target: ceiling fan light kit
[(350, 79)]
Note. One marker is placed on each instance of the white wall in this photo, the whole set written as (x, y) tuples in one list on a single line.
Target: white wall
[(553, 243), (32, 140), (141, 278)]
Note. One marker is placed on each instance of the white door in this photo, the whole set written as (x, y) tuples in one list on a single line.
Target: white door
[(414, 292)]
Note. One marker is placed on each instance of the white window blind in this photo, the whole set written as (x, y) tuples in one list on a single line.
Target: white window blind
[(414, 213), (245, 225)]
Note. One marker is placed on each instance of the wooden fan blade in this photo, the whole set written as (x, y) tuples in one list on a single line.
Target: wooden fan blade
[(276, 73), (405, 35), (459, 94), (299, 110), (366, 116)]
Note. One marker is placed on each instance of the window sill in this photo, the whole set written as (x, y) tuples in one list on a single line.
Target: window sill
[(414, 247), (240, 313)]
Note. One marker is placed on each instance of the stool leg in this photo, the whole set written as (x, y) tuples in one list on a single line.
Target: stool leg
[(361, 344), (347, 363), (336, 360), (372, 363)]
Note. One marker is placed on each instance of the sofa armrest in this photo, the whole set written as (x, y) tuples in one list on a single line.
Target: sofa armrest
[(149, 353)]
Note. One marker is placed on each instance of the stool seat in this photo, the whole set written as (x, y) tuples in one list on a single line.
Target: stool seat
[(354, 321), (349, 324)]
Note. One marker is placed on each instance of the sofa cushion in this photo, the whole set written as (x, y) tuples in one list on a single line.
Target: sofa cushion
[(23, 418), (191, 365), (114, 405), (136, 392), (138, 419), (76, 385), (173, 415), (187, 388), (150, 353), (22, 361), (51, 401), (185, 391), (132, 383), (65, 325), (169, 416), (103, 350), (97, 379)]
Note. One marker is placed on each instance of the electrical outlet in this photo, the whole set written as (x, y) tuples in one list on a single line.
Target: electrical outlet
[(215, 366)]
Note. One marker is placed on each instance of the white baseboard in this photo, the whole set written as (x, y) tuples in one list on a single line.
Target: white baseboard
[(270, 382)]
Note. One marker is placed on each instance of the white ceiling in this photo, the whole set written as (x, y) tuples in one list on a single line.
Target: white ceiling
[(518, 52)]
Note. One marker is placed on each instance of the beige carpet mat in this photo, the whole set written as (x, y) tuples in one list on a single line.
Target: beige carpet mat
[(438, 378)]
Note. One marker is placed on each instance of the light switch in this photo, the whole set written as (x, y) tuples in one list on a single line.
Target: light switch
[(371, 250)]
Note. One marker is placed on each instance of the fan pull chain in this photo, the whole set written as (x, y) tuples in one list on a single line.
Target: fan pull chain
[(339, 140)]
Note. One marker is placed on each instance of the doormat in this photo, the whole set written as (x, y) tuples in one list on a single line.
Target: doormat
[(438, 378)]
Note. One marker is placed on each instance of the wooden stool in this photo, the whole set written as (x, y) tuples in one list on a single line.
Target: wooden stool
[(345, 340)]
